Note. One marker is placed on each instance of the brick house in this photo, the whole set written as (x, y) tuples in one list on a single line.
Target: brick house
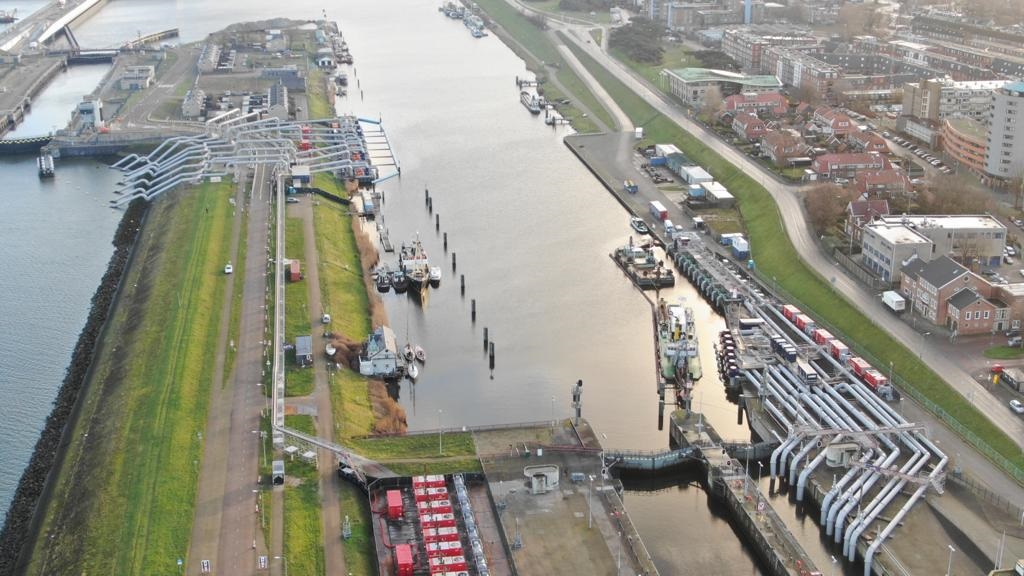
[(866, 141), (748, 126), (833, 122), (781, 146), (882, 183), (947, 294), (860, 212), (847, 164), (764, 105)]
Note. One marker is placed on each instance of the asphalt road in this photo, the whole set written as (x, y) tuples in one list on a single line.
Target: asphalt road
[(226, 529)]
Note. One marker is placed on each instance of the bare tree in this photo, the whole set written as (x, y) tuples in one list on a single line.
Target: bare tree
[(826, 204), (948, 195), (711, 106), (809, 93)]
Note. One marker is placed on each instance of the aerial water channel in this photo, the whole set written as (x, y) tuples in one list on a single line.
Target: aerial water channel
[(532, 229)]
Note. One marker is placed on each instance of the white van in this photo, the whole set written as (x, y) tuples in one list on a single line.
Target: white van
[(670, 228)]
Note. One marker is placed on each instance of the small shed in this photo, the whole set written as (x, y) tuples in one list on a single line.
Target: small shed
[(294, 271), (277, 472), (304, 350), (300, 172), (696, 175)]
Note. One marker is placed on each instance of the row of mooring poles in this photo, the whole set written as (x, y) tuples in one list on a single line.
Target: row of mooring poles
[(488, 342)]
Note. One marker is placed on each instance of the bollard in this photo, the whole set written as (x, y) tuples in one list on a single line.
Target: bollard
[(485, 338), (445, 241), (437, 222), (492, 355), (426, 196), (430, 205), (462, 283), (472, 309), (453, 261)]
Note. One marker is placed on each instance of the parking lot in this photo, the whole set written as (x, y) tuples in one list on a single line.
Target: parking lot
[(920, 151)]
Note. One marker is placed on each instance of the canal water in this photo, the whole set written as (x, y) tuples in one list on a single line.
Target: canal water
[(532, 230)]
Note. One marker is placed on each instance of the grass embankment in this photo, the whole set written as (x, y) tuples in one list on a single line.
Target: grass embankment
[(125, 494), (598, 16), (541, 59), (360, 556), (303, 541), (341, 279), (1004, 353), (318, 102), (236, 298), (298, 381), (777, 258)]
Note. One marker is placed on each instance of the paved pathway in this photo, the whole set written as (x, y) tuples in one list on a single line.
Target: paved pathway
[(330, 494)]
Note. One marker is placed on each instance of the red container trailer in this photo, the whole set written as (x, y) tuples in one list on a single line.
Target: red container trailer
[(434, 481), (437, 520), (403, 559), (804, 322), (435, 549), (428, 494), (790, 312), (294, 270), (838, 350), (446, 534), (445, 564), (822, 336), (858, 365), (440, 507), (874, 379), (394, 498)]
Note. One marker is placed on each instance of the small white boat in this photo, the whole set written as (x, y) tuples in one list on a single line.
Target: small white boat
[(421, 356), (435, 276), (407, 352), (412, 371)]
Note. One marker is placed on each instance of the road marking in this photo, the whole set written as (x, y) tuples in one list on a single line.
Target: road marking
[(262, 563), (204, 566)]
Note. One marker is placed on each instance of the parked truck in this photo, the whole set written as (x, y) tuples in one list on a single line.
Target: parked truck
[(894, 301), (658, 210)]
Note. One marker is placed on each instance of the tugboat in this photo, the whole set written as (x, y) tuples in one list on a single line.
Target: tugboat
[(639, 225), (435, 276), (8, 17), (383, 281), (413, 261), (399, 282), (531, 102)]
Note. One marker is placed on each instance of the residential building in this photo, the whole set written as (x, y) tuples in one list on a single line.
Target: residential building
[(861, 212), (887, 183), (833, 122), (193, 104), (745, 46), (691, 84), (940, 98), (946, 294), (965, 143), (887, 247), (924, 131), (1005, 156), (867, 141), (967, 238), (748, 126), (136, 77), (929, 284), (783, 146), (765, 105), (795, 67), (847, 164)]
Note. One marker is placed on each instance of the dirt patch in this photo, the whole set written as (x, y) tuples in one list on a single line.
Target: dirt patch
[(388, 416)]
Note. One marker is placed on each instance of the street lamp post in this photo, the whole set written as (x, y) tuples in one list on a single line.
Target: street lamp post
[(552, 410), (833, 566), (949, 566), (920, 353), (439, 433), (285, 561), (760, 467), (590, 503)]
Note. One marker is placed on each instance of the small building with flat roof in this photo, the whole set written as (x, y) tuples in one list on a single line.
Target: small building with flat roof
[(966, 238), (887, 247), (691, 84)]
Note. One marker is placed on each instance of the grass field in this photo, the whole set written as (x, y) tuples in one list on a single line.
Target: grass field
[(360, 557), (1004, 353), (675, 56), (350, 404), (303, 545), (419, 446), (236, 299), (125, 493), (543, 51), (341, 280), (776, 258), (296, 294), (316, 96)]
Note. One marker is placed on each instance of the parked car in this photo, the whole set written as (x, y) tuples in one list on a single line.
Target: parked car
[(1010, 251), (1017, 406), (1014, 342), (292, 200), (228, 269), (992, 272)]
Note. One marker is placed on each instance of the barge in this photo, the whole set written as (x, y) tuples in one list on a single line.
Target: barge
[(643, 268)]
